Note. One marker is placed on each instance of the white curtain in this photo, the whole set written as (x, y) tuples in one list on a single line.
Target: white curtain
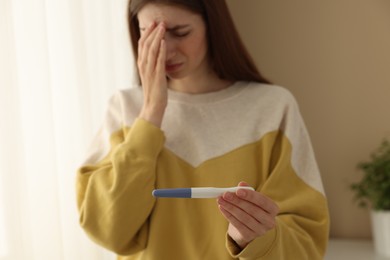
[(60, 60)]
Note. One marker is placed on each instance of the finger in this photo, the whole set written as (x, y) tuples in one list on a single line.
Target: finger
[(145, 43), (160, 67), (155, 46), (270, 205), (251, 209), (144, 35), (246, 233), (149, 37), (247, 220), (260, 200), (256, 228), (243, 183)]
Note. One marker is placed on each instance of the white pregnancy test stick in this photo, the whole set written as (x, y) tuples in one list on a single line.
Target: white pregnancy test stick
[(198, 193)]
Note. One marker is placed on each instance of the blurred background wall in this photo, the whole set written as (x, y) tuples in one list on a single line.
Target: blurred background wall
[(334, 56)]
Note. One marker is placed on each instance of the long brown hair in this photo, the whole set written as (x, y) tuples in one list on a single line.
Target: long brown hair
[(230, 59)]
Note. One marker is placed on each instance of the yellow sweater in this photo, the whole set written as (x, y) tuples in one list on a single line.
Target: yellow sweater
[(248, 132)]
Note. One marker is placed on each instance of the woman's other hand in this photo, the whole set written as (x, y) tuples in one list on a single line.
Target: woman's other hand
[(151, 66), (250, 214)]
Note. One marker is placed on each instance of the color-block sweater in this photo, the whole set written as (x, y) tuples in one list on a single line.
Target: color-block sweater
[(248, 132)]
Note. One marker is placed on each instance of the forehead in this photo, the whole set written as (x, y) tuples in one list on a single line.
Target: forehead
[(168, 14)]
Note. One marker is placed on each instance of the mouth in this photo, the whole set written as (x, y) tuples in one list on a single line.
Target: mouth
[(173, 67)]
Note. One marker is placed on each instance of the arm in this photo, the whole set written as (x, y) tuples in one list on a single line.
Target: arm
[(114, 195), (298, 231), (298, 227)]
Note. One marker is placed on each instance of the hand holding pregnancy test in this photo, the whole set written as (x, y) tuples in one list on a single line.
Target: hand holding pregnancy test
[(198, 193)]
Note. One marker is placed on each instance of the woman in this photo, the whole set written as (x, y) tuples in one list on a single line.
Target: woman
[(204, 116)]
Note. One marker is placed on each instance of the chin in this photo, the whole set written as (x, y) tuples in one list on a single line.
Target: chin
[(176, 75)]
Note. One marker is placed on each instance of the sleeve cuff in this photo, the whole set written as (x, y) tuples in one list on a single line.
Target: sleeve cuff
[(255, 249), (145, 138)]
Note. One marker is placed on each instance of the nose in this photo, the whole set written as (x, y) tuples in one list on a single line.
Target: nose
[(171, 47)]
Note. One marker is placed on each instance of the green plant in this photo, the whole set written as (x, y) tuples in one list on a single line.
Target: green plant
[(374, 188)]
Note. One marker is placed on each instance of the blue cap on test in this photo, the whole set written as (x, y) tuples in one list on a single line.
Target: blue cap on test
[(175, 193)]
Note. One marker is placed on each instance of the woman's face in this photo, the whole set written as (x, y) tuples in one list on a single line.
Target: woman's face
[(185, 38)]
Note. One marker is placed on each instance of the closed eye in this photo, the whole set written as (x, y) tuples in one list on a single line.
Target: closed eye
[(180, 34)]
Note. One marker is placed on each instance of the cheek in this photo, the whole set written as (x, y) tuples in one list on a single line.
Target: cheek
[(196, 47)]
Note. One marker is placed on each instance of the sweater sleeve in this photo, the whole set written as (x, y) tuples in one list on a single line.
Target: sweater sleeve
[(294, 183), (114, 193)]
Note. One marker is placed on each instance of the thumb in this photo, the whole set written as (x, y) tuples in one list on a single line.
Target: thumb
[(243, 183)]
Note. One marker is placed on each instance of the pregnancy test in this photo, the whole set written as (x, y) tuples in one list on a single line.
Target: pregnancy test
[(196, 193)]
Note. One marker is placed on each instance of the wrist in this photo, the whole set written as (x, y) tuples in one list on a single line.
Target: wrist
[(152, 115), (241, 244), (238, 243)]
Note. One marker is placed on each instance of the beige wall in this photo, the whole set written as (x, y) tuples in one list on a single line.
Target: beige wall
[(335, 58)]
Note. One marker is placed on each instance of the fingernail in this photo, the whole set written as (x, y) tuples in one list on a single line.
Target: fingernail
[(241, 193), (228, 196), (161, 28)]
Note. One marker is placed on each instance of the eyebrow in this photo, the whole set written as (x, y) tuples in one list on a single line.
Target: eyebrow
[(174, 28), (178, 27)]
